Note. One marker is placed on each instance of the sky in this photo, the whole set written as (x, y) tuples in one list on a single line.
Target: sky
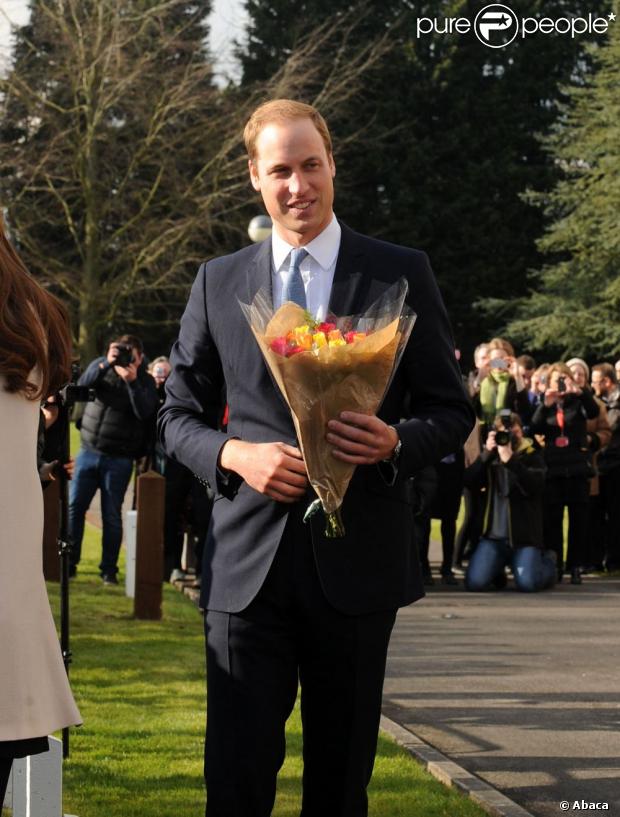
[(227, 24)]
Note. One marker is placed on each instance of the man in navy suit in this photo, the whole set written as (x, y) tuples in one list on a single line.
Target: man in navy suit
[(284, 604)]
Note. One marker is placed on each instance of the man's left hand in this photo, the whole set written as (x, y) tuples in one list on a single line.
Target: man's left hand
[(361, 439), (127, 373)]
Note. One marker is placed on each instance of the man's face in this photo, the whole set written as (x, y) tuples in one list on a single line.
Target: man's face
[(526, 374), (481, 359), (294, 174), (517, 433), (600, 384)]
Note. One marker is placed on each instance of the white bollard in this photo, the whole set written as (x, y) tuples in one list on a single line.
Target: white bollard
[(35, 784), (131, 525)]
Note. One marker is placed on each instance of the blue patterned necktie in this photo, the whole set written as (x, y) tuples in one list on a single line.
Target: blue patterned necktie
[(293, 283)]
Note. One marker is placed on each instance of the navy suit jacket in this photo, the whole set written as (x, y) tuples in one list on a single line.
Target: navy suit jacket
[(375, 566)]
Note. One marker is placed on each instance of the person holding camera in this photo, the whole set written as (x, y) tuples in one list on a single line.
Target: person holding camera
[(114, 432), (514, 474), (562, 420), (35, 354)]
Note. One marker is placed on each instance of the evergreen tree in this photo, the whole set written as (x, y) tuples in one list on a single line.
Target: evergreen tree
[(573, 306)]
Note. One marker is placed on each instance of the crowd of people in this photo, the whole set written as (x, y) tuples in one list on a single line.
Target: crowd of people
[(547, 438), (118, 439)]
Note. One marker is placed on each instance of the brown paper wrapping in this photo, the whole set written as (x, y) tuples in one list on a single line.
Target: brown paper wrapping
[(319, 385)]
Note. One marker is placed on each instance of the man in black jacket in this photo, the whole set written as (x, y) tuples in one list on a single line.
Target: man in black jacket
[(284, 604), (114, 431), (514, 475)]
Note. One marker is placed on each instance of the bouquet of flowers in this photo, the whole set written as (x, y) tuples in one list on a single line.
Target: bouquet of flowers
[(325, 368)]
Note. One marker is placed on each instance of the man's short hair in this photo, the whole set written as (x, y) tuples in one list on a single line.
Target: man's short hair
[(130, 340), (527, 361), (514, 419), (283, 110), (606, 370)]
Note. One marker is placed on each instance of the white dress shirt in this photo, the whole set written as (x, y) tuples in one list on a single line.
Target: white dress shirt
[(317, 269)]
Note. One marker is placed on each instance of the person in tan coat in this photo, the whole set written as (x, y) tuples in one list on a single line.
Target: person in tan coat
[(599, 435), (35, 698)]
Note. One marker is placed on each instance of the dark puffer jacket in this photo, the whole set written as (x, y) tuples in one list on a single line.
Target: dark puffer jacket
[(524, 484), (117, 423)]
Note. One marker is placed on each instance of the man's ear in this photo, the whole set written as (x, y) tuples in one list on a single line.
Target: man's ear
[(254, 175), (332, 165)]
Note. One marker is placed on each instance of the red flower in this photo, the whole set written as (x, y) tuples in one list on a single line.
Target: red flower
[(325, 327), (279, 345)]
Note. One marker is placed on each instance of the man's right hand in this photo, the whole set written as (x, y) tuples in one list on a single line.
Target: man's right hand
[(276, 470), (112, 354)]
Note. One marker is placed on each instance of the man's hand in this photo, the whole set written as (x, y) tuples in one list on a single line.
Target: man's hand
[(113, 351), (276, 470), (551, 397), (361, 439), (505, 452), (127, 373), (490, 444)]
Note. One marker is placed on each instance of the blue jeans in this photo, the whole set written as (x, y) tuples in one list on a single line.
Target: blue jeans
[(533, 568), (111, 475)]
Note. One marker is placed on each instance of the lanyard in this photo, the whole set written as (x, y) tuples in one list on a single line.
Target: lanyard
[(560, 417)]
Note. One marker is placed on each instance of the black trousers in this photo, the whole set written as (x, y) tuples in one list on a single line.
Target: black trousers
[(471, 529), (610, 491), (255, 659), (572, 492), (5, 773)]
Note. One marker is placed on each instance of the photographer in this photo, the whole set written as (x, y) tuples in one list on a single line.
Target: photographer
[(562, 420), (514, 473), (114, 432)]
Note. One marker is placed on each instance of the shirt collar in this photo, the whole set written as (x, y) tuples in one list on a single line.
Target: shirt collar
[(324, 248)]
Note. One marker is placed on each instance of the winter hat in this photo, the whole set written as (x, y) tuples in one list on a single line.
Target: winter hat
[(577, 361)]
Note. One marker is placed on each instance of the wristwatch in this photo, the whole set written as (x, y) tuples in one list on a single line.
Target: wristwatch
[(393, 459)]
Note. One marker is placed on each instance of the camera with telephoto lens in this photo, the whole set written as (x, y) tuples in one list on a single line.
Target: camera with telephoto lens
[(71, 393), (503, 435), (124, 356)]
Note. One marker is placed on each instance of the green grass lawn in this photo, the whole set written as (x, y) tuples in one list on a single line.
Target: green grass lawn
[(140, 688)]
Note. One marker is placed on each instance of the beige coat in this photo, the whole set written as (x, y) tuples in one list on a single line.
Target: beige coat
[(35, 698), (598, 427)]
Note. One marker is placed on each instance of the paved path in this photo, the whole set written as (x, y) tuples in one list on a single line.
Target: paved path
[(522, 690)]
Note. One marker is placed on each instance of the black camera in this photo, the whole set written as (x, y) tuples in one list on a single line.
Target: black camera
[(561, 384), (503, 435), (71, 393), (124, 356)]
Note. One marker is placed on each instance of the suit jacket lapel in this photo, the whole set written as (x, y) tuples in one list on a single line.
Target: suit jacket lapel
[(259, 271), (350, 283)]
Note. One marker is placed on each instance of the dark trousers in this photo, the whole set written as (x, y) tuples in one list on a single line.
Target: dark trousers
[(5, 773), (610, 491), (595, 542), (573, 493), (255, 658), (178, 487), (471, 530)]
